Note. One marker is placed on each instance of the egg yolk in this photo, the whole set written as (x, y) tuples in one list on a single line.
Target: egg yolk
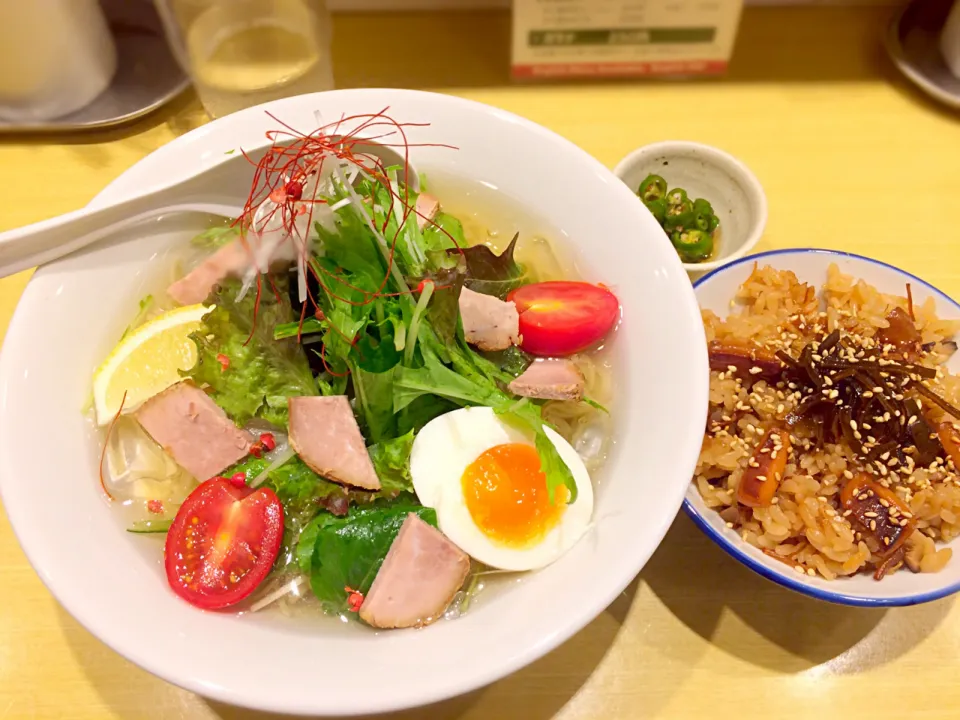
[(505, 490)]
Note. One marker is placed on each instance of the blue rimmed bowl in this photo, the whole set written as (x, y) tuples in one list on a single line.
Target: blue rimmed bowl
[(714, 292)]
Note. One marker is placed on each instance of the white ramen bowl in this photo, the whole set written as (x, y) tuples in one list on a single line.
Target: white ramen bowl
[(74, 310), (714, 292)]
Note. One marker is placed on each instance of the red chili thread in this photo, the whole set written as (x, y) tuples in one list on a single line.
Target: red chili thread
[(285, 168)]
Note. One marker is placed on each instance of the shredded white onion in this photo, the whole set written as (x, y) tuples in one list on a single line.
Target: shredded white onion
[(270, 232), (291, 587), (281, 455)]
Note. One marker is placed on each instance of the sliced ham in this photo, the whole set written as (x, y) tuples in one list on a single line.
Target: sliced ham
[(550, 379), (325, 434), (419, 577), (427, 208), (488, 322), (194, 430), (232, 260)]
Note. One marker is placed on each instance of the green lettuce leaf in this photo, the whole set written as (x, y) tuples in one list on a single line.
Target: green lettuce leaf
[(340, 552), (435, 378), (492, 274), (437, 236), (443, 312), (469, 385), (421, 411), (215, 237), (262, 372), (374, 403), (353, 247), (391, 460), (378, 346)]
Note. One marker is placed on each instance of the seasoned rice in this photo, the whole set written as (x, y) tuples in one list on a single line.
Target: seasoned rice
[(806, 524)]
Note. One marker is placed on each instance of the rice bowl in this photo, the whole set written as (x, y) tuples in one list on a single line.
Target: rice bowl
[(806, 533)]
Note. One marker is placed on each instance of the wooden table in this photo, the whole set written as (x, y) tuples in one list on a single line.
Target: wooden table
[(850, 157)]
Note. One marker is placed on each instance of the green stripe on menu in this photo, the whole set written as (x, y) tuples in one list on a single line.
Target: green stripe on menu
[(622, 36)]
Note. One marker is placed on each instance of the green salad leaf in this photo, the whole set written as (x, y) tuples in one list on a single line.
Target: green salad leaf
[(296, 328), (380, 347), (435, 378), (512, 361), (260, 373), (492, 274), (374, 401), (469, 385), (443, 311), (341, 552), (148, 527), (421, 411), (391, 460), (352, 247), (215, 237), (445, 233)]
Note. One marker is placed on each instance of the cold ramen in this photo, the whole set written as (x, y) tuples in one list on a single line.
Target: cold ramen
[(357, 397)]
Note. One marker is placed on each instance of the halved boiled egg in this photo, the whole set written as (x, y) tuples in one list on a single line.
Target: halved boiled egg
[(483, 477)]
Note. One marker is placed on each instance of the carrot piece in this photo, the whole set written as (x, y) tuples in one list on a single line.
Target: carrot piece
[(760, 480)]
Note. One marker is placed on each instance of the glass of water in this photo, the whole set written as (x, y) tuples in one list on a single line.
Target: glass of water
[(241, 53)]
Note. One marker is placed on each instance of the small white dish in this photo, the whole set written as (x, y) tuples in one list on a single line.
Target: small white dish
[(705, 172), (113, 582), (714, 292)]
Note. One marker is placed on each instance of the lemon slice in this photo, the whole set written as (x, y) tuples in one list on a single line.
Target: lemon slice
[(147, 361)]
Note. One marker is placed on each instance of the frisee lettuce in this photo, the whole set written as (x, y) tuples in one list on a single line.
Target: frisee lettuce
[(261, 372)]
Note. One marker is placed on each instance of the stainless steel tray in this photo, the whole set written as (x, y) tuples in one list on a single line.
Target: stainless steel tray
[(147, 74), (913, 41)]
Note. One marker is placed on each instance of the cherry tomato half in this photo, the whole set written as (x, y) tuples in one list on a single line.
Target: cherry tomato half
[(562, 318), (222, 543)]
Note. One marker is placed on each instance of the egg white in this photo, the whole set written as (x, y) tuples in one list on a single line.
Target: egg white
[(441, 453)]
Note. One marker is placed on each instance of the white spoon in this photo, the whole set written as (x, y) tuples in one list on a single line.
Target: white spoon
[(218, 190)]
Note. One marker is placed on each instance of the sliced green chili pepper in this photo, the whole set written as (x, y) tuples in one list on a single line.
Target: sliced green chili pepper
[(701, 220), (702, 207), (677, 196), (679, 217), (657, 208), (693, 245), (652, 188), (714, 222)]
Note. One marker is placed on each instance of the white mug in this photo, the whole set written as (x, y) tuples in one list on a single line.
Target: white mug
[(56, 56), (950, 40)]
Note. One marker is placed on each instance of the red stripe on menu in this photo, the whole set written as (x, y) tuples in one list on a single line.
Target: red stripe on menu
[(615, 69)]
